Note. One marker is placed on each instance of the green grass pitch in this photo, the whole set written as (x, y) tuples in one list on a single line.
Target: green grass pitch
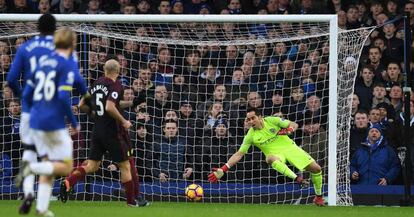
[(115, 209)]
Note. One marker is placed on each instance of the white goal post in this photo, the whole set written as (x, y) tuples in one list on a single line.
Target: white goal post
[(335, 57)]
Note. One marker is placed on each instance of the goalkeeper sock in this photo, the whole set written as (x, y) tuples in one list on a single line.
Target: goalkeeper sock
[(42, 168), (284, 169), (134, 175), (129, 191), (28, 182), (78, 174), (317, 182), (43, 196)]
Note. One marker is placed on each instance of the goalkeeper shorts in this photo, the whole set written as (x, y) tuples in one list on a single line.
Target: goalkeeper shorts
[(296, 157)]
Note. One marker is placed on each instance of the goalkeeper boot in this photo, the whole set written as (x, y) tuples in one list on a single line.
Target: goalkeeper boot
[(46, 213), (65, 189), (319, 201), (302, 182), (26, 204), (23, 172)]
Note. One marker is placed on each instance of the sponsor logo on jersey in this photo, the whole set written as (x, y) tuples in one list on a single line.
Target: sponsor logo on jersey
[(265, 142), (71, 78)]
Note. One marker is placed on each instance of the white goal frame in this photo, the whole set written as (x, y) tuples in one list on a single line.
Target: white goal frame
[(333, 59)]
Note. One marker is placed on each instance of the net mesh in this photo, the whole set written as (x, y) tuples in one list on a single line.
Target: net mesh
[(205, 76)]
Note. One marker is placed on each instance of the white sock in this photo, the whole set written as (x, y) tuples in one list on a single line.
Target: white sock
[(42, 168), (43, 196), (29, 156), (28, 183)]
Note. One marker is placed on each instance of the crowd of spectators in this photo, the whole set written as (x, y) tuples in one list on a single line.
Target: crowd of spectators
[(189, 102)]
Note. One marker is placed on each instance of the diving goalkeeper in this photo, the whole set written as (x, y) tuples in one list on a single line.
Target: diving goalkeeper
[(270, 135)]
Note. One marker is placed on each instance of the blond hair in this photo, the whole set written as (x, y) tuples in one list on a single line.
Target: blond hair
[(111, 67), (65, 38)]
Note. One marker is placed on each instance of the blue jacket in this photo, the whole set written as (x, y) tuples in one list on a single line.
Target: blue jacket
[(11, 125), (173, 157), (364, 93), (5, 169), (373, 164)]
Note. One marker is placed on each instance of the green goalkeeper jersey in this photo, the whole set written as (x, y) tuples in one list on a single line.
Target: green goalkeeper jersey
[(266, 139)]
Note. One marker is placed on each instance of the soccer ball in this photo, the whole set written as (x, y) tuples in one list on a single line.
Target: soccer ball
[(194, 192)]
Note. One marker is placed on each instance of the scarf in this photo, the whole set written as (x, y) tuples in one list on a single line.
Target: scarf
[(374, 145), (403, 120)]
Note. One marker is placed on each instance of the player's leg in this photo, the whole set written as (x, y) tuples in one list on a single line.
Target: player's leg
[(89, 166), (303, 161), (44, 192), (316, 176), (119, 150), (278, 162), (135, 178), (58, 146), (60, 168), (29, 156), (127, 182), (79, 173)]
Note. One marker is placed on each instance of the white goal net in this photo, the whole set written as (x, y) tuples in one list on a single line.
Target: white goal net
[(204, 75)]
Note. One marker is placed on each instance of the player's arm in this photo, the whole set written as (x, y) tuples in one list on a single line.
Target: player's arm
[(28, 93), (289, 130), (114, 113), (125, 104), (84, 105), (287, 126), (80, 85), (65, 87), (64, 98), (234, 159), (219, 172), (293, 125), (13, 76)]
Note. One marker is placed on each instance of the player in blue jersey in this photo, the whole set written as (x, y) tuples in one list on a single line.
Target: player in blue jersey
[(23, 66), (48, 93)]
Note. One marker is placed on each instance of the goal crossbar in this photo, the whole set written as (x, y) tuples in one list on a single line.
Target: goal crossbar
[(114, 18)]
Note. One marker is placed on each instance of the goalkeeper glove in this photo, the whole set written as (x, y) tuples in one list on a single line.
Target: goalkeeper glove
[(217, 173), (286, 131)]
